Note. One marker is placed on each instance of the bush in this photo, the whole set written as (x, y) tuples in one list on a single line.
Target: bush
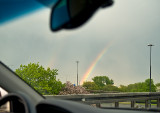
[(71, 89)]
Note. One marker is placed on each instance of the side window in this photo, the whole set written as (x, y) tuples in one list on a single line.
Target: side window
[(5, 107)]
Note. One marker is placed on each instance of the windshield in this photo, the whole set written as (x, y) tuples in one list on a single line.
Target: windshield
[(113, 43)]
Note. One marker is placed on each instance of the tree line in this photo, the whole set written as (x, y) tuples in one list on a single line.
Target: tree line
[(45, 82), (106, 84)]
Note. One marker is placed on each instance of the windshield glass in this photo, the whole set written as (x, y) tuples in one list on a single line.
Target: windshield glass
[(112, 45)]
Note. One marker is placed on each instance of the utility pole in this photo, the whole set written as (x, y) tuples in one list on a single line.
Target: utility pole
[(77, 71)]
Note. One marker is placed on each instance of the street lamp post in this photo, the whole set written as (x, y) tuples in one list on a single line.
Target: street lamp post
[(150, 45), (77, 71)]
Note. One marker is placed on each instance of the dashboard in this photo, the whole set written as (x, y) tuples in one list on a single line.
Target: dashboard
[(20, 103)]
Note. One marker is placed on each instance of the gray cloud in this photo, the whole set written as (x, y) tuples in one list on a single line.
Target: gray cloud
[(131, 25)]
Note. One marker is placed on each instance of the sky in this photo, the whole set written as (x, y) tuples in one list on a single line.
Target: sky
[(112, 43)]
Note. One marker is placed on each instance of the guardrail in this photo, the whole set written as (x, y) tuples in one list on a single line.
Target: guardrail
[(115, 98)]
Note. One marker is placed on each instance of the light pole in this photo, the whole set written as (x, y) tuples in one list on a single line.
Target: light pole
[(150, 45), (77, 71)]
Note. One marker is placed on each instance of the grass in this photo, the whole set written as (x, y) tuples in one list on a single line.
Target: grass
[(140, 103)]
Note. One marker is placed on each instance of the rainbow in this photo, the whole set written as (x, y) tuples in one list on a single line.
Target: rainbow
[(51, 62), (93, 64)]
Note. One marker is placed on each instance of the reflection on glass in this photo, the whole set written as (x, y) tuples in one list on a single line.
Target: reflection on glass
[(59, 15)]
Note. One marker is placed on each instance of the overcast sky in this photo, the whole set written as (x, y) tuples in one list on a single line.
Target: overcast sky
[(124, 30)]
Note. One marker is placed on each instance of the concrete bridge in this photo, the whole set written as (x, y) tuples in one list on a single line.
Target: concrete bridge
[(115, 98)]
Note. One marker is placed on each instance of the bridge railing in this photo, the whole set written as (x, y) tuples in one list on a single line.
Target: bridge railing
[(115, 98)]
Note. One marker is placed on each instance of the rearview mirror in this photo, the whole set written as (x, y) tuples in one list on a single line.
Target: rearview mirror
[(71, 14)]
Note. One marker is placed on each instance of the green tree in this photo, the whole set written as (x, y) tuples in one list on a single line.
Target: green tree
[(41, 79), (158, 85), (101, 81), (139, 87), (147, 83), (123, 88), (110, 88), (90, 85)]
